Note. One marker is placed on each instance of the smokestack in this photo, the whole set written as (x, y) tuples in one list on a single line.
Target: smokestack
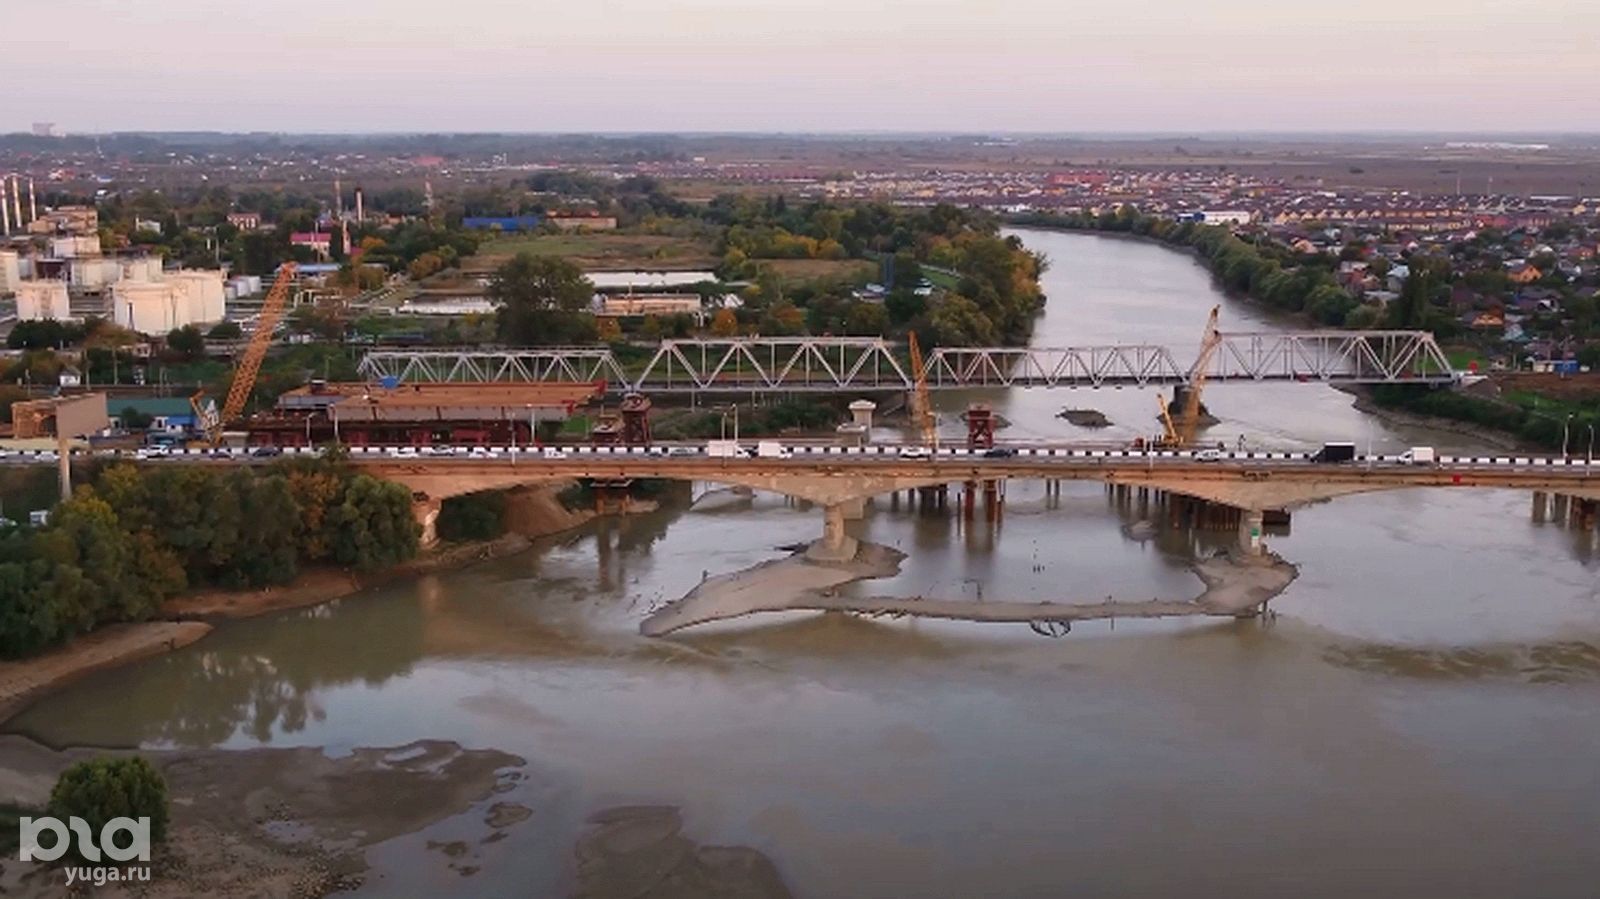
[(5, 211), (16, 200), (33, 204), (360, 212)]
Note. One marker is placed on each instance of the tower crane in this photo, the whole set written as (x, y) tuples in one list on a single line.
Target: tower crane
[(244, 377), (921, 406), (1180, 431)]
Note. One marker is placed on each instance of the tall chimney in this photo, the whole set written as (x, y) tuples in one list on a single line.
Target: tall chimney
[(5, 211), (16, 200), (360, 212), (33, 202), (338, 199)]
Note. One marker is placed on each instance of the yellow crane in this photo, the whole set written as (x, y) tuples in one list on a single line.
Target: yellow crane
[(1179, 432), (244, 377), (921, 406)]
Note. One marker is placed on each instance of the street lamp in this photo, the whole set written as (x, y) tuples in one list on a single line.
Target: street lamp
[(1566, 426), (1590, 458)]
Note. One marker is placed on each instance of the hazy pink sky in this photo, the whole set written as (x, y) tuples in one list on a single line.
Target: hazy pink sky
[(754, 65)]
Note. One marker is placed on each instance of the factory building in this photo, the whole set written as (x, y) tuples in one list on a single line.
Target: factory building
[(74, 246), (37, 300)]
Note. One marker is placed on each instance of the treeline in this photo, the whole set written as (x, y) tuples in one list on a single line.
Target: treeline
[(1273, 274), (1543, 430), (994, 300), (135, 537)]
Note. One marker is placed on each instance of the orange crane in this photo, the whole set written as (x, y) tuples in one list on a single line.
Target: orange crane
[(1180, 431), (921, 406), (244, 377)]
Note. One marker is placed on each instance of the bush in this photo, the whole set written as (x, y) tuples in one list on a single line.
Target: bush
[(105, 788), (473, 516)]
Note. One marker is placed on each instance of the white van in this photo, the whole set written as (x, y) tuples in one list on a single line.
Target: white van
[(1419, 455)]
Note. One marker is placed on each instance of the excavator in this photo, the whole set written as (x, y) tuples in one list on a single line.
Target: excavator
[(244, 377), (1179, 433)]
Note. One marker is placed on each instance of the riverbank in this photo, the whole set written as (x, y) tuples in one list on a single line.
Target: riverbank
[(280, 822), (1492, 437), (531, 513), (1235, 586)]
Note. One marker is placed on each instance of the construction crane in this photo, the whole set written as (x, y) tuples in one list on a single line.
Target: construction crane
[(1179, 432), (921, 406), (244, 377)]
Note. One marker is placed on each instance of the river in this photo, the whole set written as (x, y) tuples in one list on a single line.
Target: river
[(1418, 720)]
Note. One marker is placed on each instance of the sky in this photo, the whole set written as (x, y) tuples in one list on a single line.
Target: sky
[(817, 65)]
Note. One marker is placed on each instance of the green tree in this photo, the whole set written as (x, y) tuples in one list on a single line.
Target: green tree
[(225, 330), (187, 342), (101, 789), (373, 526), (543, 299), (268, 548)]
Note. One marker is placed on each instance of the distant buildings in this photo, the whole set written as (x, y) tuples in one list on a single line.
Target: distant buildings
[(177, 299), (504, 223)]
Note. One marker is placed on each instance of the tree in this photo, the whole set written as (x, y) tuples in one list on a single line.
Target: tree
[(104, 788), (225, 330), (373, 526), (543, 299), (724, 323), (187, 342), (268, 548), (866, 320), (134, 420), (957, 321)]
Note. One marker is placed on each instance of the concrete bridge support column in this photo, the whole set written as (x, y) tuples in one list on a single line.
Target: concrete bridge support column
[(427, 515), (1558, 511), (1540, 504), (854, 509), (1250, 525), (835, 545)]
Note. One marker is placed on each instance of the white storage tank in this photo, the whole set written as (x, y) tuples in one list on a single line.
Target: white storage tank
[(93, 272), (42, 299), (149, 307), (203, 297), (10, 271), (74, 246)]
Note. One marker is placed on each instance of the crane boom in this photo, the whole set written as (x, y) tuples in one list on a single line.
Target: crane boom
[(921, 406), (1190, 420), (244, 377)]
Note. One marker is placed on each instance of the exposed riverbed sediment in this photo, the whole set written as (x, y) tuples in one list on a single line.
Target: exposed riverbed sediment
[(1235, 586)]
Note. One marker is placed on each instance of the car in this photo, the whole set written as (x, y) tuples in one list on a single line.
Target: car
[(999, 452), (266, 452), (221, 452), (683, 451), (404, 452), (555, 452), (1208, 455), (436, 451), (916, 452)]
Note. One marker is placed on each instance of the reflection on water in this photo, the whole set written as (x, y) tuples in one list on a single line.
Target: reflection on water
[(1418, 721)]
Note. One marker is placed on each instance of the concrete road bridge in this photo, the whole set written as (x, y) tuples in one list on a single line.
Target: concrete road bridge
[(869, 364), (841, 479)]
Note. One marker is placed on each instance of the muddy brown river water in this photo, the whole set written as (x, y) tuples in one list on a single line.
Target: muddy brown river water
[(1421, 718)]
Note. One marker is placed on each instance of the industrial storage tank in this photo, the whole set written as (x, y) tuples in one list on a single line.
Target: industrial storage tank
[(10, 271), (141, 268), (75, 246), (203, 301), (93, 272), (149, 307), (41, 300)]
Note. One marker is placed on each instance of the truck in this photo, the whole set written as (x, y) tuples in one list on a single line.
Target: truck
[(723, 449), (1335, 452), (1419, 455), (771, 449)]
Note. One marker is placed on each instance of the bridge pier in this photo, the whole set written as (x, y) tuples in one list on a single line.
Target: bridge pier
[(1251, 522), (835, 545), (427, 514), (1541, 503)]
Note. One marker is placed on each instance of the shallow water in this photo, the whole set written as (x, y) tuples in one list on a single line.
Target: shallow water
[(1419, 718)]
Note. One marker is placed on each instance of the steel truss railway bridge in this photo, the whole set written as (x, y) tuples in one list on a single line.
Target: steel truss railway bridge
[(863, 364)]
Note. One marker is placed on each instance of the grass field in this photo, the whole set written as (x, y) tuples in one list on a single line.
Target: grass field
[(800, 271), (600, 252)]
